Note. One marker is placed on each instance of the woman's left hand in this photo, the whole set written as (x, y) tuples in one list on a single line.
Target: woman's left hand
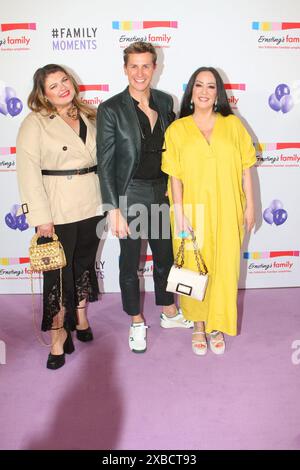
[(45, 230), (249, 218)]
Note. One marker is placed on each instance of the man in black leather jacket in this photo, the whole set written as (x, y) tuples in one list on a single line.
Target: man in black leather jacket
[(130, 135)]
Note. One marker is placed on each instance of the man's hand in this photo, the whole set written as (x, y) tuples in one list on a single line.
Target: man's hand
[(118, 224)]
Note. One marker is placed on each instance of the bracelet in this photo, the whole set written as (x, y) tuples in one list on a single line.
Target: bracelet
[(183, 234)]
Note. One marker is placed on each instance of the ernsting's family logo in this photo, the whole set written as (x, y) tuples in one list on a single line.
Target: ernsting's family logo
[(14, 38), (73, 38), (16, 268), (277, 35), (232, 97), (270, 261), (159, 35), (281, 154), (93, 89), (7, 158)]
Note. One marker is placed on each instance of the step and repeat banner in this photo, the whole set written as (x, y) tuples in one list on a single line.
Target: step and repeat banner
[(256, 48)]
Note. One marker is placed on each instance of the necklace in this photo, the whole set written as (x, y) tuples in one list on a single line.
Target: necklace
[(73, 112)]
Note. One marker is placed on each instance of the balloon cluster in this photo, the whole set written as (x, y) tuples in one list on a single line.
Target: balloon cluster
[(282, 99), (275, 213), (15, 221), (9, 103)]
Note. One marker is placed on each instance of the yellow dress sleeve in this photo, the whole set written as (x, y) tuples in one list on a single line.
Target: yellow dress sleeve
[(171, 157), (247, 149)]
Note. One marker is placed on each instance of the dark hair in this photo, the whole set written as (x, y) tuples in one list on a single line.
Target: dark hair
[(223, 107), (37, 101), (140, 47)]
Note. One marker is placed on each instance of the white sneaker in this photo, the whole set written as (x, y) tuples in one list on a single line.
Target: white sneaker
[(175, 322), (137, 337)]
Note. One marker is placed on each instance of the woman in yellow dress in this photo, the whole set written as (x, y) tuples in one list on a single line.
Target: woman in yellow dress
[(208, 158)]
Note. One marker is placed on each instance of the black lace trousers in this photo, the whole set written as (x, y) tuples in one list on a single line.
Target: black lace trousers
[(79, 281)]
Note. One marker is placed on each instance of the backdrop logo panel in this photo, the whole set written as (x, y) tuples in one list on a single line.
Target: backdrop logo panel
[(281, 154), (16, 36), (274, 261), (74, 38), (93, 97), (7, 159), (16, 268), (161, 36), (234, 97), (277, 35)]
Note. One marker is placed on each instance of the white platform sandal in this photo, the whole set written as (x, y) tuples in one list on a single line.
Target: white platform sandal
[(216, 345), (199, 347)]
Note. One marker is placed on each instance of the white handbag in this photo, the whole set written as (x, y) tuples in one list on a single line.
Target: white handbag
[(184, 281)]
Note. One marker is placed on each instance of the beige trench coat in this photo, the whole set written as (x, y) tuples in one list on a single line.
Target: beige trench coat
[(47, 142)]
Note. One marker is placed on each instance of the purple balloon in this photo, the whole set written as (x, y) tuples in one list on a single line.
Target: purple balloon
[(281, 90), (14, 106), (268, 215), (274, 103), (10, 221), (14, 209), (280, 216), (2, 93), (276, 204), (3, 108), (21, 222), (9, 93), (287, 103)]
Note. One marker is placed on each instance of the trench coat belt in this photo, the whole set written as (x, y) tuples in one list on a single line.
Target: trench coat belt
[(79, 171)]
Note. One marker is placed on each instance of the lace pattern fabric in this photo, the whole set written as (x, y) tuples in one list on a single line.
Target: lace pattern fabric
[(86, 287)]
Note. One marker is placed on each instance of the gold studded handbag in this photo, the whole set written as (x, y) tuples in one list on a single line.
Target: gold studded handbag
[(48, 256)]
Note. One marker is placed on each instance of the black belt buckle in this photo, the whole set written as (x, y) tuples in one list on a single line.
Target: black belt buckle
[(82, 171)]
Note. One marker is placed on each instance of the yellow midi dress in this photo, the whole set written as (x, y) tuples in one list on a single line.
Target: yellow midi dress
[(214, 202)]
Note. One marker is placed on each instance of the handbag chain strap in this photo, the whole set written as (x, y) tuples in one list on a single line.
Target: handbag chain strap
[(34, 316), (179, 260)]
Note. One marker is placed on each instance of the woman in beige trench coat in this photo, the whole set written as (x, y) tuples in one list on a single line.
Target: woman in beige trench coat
[(59, 189)]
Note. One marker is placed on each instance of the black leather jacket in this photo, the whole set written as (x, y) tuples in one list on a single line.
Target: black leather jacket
[(119, 141)]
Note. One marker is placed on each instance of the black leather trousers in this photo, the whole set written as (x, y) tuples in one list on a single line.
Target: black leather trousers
[(148, 218)]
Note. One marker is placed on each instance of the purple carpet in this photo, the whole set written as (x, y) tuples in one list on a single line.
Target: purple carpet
[(107, 397)]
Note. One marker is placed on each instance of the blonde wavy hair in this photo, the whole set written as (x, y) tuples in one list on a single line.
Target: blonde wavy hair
[(37, 101)]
